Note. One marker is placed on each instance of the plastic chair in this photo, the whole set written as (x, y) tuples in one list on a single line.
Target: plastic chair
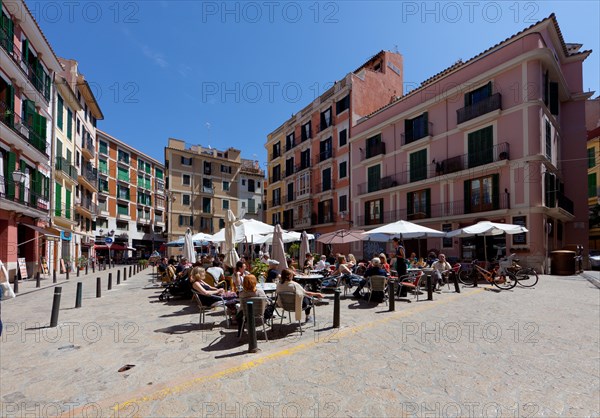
[(287, 302), (259, 305), (412, 281), (204, 308), (378, 284)]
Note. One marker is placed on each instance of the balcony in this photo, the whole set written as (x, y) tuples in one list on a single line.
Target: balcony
[(325, 155), (87, 207), (563, 207), (64, 167), (289, 172), (325, 186), (159, 187), (65, 212), (275, 202), (207, 190), (482, 107), (302, 222), (303, 165), (87, 146), (292, 144), (89, 177), (288, 198), (16, 124), (421, 131), (17, 57), (123, 216), (274, 155), (18, 193), (322, 218), (124, 160), (372, 151), (274, 179)]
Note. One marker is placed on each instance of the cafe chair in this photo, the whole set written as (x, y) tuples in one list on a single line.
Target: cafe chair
[(378, 284), (287, 302), (259, 306), (205, 308), (412, 281)]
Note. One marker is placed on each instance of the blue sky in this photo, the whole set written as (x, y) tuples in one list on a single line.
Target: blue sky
[(228, 73)]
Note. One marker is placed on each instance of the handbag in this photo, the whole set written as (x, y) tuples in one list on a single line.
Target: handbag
[(6, 291)]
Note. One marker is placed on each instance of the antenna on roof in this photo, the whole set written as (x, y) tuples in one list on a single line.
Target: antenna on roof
[(396, 49), (208, 129)]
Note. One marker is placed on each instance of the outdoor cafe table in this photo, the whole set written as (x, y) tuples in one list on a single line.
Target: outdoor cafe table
[(311, 280), (267, 287)]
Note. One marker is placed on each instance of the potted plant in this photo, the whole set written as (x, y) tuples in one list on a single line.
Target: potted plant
[(258, 268), (81, 262)]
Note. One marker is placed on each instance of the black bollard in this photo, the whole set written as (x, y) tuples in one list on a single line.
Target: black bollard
[(53, 276), (336, 308), (77, 271), (79, 295), (252, 344), (118, 276), (392, 295), (109, 281), (16, 284), (37, 279), (86, 269), (125, 273), (429, 287), (94, 267), (130, 271), (98, 287), (455, 280), (55, 307), (67, 273)]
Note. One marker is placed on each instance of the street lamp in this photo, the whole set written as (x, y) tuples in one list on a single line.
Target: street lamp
[(19, 177)]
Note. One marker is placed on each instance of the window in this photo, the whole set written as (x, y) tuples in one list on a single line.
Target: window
[(207, 168), (123, 157), (77, 158), (326, 120), (343, 203), (186, 180), (206, 203), (592, 185), (225, 186), (305, 159), (221, 223), (69, 123), (326, 177), (276, 150), (207, 186), (276, 173), (103, 147), (289, 141), (306, 131), (342, 105), (418, 204), (554, 102), (123, 174), (548, 140), (289, 166), (375, 146), (185, 220), (591, 157), (141, 165), (374, 212), (186, 200), (186, 161), (520, 239), (373, 178), (446, 242), (243, 205), (478, 95), (481, 147), (103, 185), (416, 128), (482, 194), (276, 197), (122, 192), (225, 204), (343, 169), (251, 187), (225, 169), (158, 173), (550, 189), (251, 206), (79, 127), (325, 149), (290, 192), (243, 182), (59, 113), (122, 209), (343, 136), (325, 211), (303, 184)]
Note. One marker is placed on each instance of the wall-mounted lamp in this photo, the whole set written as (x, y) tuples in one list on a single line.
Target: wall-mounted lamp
[(19, 177)]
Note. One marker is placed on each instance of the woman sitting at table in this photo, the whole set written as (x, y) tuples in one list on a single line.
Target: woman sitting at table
[(374, 269), (209, 296), (287, 284), (238, 276), (384, 263), (309, 261), (249, 291)]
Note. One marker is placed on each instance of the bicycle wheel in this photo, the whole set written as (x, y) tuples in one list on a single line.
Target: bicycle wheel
[(527, 277), (505, 283), (467, 277)]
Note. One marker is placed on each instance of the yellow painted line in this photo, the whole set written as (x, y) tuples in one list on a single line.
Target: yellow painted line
[(175, 389)]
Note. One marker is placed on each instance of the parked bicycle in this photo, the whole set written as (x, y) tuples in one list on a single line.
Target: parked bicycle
[(502, 279), (526, 276)]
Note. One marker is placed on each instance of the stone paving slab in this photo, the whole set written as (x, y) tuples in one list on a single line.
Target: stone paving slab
[(525, 352)]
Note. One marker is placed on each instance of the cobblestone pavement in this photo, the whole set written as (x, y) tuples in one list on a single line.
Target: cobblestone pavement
[(525, 352)]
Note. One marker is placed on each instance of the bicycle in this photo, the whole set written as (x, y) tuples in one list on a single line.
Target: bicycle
[(526, 277), (502, 279)]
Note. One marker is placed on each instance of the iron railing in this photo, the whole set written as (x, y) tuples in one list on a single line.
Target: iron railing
[(422, 131), (482, 107), (18, 193), (25, 131), (373, 150), (66, 167)]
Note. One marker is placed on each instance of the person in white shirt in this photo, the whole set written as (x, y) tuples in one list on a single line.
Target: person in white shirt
[(322, 264), (441, 266), (218, 274)]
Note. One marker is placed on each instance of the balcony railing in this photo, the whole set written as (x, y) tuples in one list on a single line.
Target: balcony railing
[(18, 193), (289, 198), (564, 203), (302, 222), (90, 174), (88, 204), (124, 159), (63, 165), (451, 165), (373, 150), (325, 186), (322, 218), (274, 179), (14, 122), (273, 203), (325, 155), (288, 173), (88, 144), (482, 107), (303, 165), (274, 155), (16, 55), (422, 131), (292, 144)]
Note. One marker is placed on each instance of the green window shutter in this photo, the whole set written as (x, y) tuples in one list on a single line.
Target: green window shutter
[(467, 201), (58, 199), (374, 178), (46, 185), (592, 185), (25, 52), (410, 198), (67, 203), (591, 157), (426, 123), (102, 166), (39, 127), (496, 191), (7, 29), (480, 145), (28, 112), (428, 203), (59, 113), (47, 82), (418, 165), (9, 117), (35, 189), (123, 174), (69, 124), (148, 169), (22, 188), (159, 174), (11, 165)]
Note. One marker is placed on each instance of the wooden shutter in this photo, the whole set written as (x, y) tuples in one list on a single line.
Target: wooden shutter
[(28, 112), (496, 191), (554, 98), (58, 199), (467, 201), (10, 167), (10, 103), (408, 131), (59, 113), (67, 203), (25, 53)]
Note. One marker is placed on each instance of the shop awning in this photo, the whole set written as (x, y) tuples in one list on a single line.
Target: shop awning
[(48, 232), (114, 247)]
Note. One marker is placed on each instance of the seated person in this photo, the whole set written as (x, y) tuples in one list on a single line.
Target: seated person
[(218, 274), (238, 276), (384, 263), (290, 262), (273, 272), (162, 265), (287, 284), (209, 296), (344, 269), (322, 264), (374, 269), (440, 267), (309, 261), (249, 291)]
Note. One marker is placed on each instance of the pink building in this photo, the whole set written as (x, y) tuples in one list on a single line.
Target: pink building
[(499, 137)]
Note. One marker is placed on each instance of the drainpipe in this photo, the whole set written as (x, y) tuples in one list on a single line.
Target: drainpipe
[(51, 197)]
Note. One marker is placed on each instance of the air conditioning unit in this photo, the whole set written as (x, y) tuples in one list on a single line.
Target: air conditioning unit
[(24, 130)]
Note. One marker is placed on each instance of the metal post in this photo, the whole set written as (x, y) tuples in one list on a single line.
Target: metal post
[(77, 271), (86, 268), (78, 295), (94, 266), (118, 276), (124, 273), (252, 344), (16, 284), (37, 279), (455, 280), (98, 287), (130, 271), (392, 295), (109, 281), (429, 287), (67, 272), (55, 307), (53, 276), (336, 308)]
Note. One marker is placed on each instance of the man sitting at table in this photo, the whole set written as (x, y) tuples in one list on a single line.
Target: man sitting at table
[(273, 273), (322, 264), (440, 267), (374, 269)]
